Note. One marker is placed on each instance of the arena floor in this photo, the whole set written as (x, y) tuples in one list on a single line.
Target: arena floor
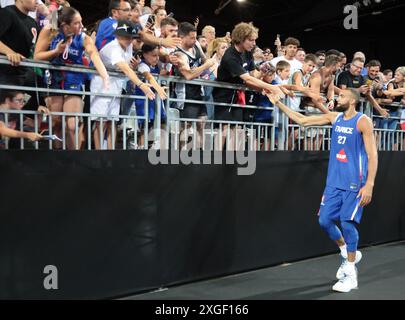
[(381, 277)]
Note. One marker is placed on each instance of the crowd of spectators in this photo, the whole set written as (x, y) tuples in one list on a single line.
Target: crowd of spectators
[(142, 41)]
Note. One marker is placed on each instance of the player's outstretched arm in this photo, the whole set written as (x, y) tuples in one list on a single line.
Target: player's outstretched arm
[(366, 128), (302, 120)]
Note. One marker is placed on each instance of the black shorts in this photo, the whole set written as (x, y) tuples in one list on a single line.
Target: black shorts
[(193, 111), (228, 114)]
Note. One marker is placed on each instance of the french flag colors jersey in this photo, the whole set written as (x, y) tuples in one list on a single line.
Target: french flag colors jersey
[(105, 33), (348, 161)]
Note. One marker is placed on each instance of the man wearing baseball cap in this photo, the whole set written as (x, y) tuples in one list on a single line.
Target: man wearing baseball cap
[(116, 56)]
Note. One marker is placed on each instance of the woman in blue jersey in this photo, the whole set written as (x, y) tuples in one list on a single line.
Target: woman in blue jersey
[(352, 170), (63, 47)]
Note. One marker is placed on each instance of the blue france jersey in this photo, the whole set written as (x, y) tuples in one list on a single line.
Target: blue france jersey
[(75, 49), (106, 32), (75, 56), (348, 163)]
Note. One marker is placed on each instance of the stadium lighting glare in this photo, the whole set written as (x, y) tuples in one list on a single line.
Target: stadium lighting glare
[(223, 3)]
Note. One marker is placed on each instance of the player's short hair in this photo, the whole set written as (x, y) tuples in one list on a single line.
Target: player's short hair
[(355, 94)]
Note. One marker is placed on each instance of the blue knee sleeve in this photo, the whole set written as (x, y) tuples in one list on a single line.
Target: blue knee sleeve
[(330, 228), (351, 235)]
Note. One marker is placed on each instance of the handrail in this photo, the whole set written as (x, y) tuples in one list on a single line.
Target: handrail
[(79, 68), (84, 69), (162, 79)]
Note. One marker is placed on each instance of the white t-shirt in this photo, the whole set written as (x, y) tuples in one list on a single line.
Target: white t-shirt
[(143, 67), (112, 54), (295, 64), (6, 3)]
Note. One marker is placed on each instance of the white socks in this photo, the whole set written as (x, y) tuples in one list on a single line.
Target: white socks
[(350, 268), (343, 251)]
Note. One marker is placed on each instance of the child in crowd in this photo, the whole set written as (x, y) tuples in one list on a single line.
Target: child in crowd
[(148, 67)]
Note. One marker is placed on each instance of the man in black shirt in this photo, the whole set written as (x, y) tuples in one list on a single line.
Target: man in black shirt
[(352, 78), (237, 67), (18, 35)]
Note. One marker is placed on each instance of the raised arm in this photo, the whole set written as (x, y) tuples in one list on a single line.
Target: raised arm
[(91, 49), (6, 23), (297, 80), (189, 73), (42, 51), (365, 126), (395, 92), (161, 91), (376, 106), (150, 39), (305, 121), (260, 85)]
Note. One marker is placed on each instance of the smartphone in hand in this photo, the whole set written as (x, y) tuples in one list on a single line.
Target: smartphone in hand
[(151, 20)]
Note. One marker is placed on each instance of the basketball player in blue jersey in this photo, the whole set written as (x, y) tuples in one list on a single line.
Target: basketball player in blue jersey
[(352, 170)]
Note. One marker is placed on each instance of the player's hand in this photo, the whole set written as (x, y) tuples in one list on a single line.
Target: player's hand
[(365, 195)]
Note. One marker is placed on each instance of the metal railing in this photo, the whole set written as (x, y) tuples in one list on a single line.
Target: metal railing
[(174, 132)]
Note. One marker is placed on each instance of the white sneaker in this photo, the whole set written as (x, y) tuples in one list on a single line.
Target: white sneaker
[(348, 283), (340, 273)]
